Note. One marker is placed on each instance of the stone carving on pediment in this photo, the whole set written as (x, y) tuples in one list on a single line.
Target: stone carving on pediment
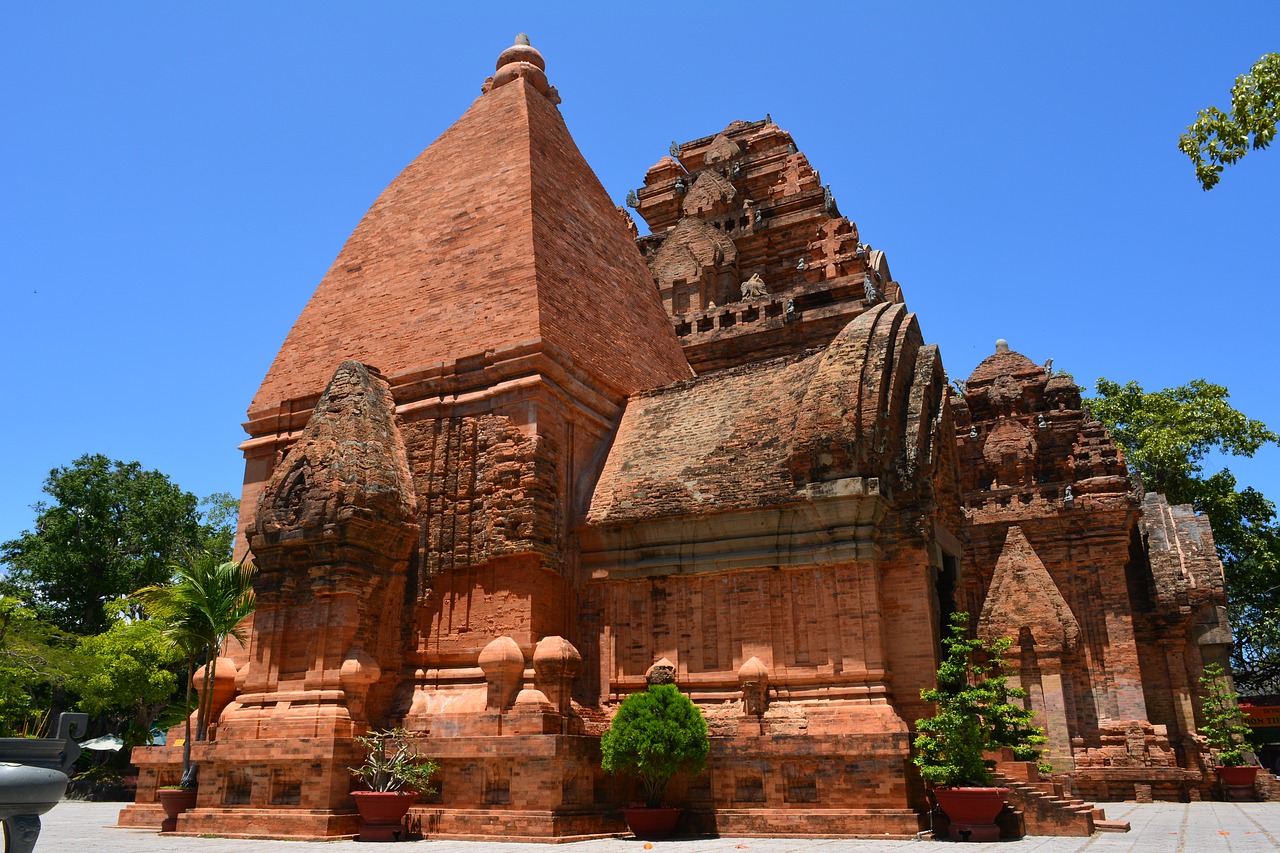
[(1010, 452), (721, 149), (1005, 394), (349, 460), (695, 266), (710, 195)]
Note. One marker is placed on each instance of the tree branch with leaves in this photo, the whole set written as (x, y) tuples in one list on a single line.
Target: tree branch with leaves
[(1166, 436), (1219, 139)]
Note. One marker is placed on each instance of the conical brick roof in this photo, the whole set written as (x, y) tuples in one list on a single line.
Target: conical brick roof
[(498, 235)]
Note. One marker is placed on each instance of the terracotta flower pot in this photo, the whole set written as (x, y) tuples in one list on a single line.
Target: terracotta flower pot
[(175, 801), (1238, 781), (383, 814), (972, 811), (651, 823)]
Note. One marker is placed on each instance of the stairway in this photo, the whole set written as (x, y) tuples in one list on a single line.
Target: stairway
[(1048, 810)]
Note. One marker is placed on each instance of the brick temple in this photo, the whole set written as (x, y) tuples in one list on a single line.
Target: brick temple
[(514, 462)]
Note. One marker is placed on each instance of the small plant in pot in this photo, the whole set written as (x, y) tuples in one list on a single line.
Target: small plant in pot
[(1226, 734), (974, 716), (655, 735), (395, 774)]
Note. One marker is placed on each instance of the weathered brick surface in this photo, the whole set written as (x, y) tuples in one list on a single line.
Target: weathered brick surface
[(742, 204), (498, 233)]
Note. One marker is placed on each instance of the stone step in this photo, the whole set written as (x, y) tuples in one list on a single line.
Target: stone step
[(1111, 825)]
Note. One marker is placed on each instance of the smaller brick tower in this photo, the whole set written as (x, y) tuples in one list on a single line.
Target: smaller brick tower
[(1114, 599)]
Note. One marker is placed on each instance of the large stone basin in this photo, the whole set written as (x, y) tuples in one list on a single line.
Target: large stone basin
[(33, 778)]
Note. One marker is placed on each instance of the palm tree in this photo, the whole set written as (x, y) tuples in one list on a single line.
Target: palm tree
[(205, 604)]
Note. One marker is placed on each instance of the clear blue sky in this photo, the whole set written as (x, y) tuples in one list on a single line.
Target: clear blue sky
[(177, 178)]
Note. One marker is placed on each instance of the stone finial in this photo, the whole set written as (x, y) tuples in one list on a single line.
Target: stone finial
[(1002, 345), (531, 697), (357, 674), (503, 666), (663, 671), (556, 662), (224, 685), (522, 60), (753, 679)]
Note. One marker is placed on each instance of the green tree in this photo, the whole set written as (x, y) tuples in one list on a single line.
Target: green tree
[(205, 604), (974, 712), (128, 676), (1223, 728), (220, 513), (1167, 436), (655, 735), (37, 662), (1218, 139), (109, 528)]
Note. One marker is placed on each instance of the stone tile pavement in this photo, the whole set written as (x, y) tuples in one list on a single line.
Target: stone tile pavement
[(78, 827)]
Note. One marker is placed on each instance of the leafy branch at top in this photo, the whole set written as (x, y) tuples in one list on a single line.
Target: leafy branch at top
[(1218, 139)]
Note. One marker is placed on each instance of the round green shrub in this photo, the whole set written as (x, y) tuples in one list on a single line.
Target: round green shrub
[(655, 735)]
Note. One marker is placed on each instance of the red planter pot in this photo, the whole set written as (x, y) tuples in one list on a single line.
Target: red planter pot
[(651, 823), (175, 801), (1238, 781), (972, 811), (382, 813)]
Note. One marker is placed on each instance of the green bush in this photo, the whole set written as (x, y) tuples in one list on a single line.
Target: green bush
[(654, 736), (974, 713), (1223, 728)]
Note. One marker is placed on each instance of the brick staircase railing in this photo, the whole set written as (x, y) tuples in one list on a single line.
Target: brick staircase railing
[(1047, 809)]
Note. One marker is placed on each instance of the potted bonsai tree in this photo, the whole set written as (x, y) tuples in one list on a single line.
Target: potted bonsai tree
[(1227, 734), (655, 735), (395, 773), (974, 716)]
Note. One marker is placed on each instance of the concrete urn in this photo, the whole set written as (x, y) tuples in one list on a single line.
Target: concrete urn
[(33, 778)]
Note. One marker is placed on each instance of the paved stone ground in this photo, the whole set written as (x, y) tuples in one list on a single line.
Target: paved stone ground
[(78, 827)]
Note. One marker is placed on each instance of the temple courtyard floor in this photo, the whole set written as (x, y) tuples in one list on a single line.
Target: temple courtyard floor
[(80, 827)]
